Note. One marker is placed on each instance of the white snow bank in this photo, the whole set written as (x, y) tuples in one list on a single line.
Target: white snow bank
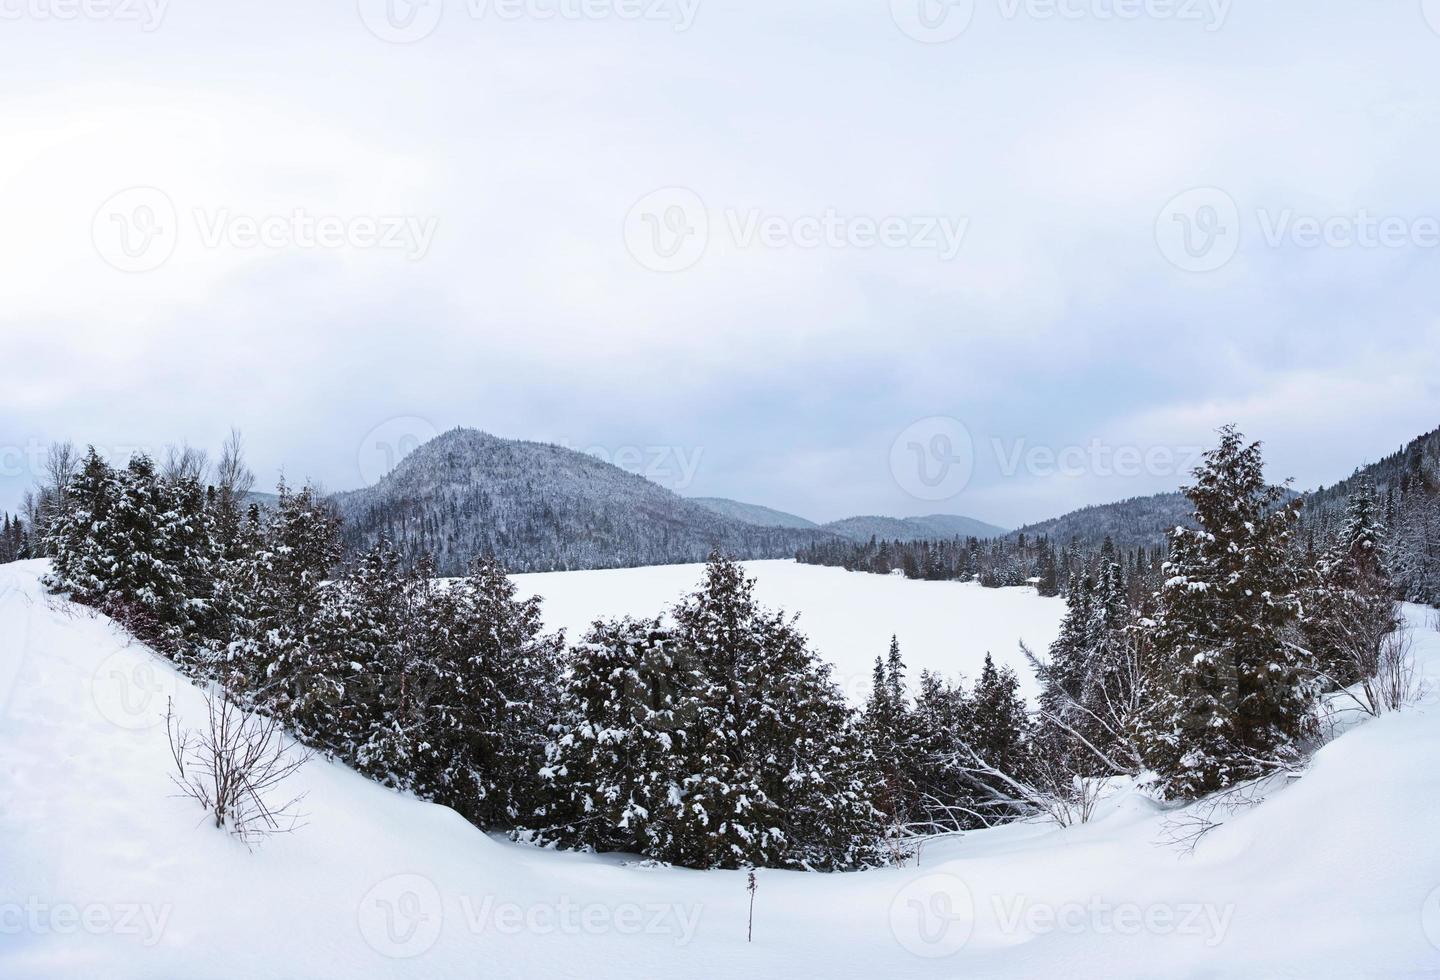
[(103, 873)]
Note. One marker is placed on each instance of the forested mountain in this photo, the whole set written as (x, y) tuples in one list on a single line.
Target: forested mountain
[(752, 513), (912, 528), (1136, 522), (539, 507), (1406, 485), (860, 529)]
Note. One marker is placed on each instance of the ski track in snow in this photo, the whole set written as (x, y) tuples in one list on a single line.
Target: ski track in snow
[(105, 873)]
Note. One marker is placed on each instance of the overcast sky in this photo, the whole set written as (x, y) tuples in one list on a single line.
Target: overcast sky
[(1000, 258)]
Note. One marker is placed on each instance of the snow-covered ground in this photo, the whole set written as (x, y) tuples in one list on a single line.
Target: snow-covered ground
[(104, 873), (849, 616)]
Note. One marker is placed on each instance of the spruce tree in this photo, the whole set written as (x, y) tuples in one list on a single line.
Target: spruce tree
[(615, 762), (1234, 699)]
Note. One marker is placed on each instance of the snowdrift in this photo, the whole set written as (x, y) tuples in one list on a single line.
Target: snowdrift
[(105, 872)]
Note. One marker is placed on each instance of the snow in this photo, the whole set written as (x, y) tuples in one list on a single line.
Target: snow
[(105, 873), (849, 616)]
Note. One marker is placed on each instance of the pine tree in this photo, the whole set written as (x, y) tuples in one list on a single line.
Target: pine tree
[(773, 772), (1349, 604), (497, 689), (614, 764), (888, 729), (943, 722), (999, 723), (1234, 699)]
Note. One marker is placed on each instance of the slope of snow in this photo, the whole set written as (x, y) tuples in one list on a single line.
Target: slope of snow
[(104, 873), (849, 616)]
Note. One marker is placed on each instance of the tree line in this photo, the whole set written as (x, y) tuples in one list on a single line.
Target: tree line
[(712, 734)]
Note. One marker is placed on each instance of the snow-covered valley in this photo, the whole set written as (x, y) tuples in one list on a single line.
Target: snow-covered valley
[(106, 872), (944, 627)]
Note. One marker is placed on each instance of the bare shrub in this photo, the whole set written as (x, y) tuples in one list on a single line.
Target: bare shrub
[(1186, 829), (1395, 682), (235, 769)]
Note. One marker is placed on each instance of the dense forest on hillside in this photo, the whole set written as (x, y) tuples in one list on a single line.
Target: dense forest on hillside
[(1049, 554), (540, 508)]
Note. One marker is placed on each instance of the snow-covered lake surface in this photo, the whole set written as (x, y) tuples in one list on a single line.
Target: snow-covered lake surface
[(849, 616), (104, 872)]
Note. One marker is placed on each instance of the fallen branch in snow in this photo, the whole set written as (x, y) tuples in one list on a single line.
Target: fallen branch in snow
[(233, 768), (1188, 828)]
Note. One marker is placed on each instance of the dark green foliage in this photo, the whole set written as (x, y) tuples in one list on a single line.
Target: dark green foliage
[(1234, 699), (721, 742)]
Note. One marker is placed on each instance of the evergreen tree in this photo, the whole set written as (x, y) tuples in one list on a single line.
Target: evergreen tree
[(1234, 699), (496, 684), (1349, 602), (615, 763), (774, 772)]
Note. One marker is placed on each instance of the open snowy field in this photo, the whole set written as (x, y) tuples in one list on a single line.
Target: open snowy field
[(105, 873), (945, 627)]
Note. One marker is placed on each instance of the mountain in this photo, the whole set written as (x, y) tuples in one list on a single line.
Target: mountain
[(1416, 463), (862, 529), (751, 513), (539, 507), (1135, 522)]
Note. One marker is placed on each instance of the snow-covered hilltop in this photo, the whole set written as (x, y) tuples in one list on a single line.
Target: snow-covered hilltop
[(107, 872), (539, 507)]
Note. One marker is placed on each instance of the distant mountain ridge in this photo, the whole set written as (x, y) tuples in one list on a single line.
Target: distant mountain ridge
[(752, 513), (540, 507), (858, 528), (862, 529), (1136, 522)]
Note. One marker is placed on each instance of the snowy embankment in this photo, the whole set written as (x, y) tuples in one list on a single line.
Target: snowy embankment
[(945, 627), (105, 873)]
